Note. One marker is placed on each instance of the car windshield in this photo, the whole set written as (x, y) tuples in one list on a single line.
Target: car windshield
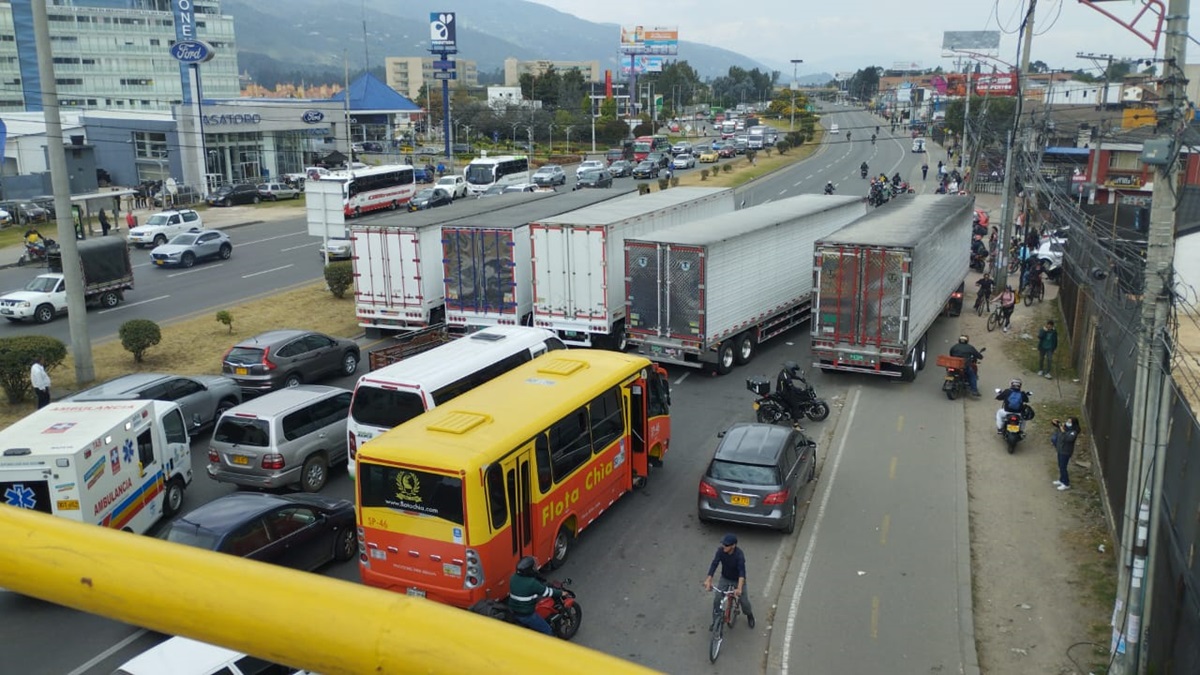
[(385, 408), (590, 174), (190, 534), (158, 219), (446, 180), (746, 474), (544, 171), (646, 165), (427, 193), (41, 284), (184, 239)]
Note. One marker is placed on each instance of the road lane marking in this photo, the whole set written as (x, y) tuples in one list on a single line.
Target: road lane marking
[(273, 269), (892, 469), (193, 271), (810, 550), (783, 192), (883, 529), (900, 424), (874, 617), (683, 377), (132, 304), (108, 652), (293, 248), (281, 236)]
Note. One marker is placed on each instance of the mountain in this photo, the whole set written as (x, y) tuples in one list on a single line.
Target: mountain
[(306, 40)]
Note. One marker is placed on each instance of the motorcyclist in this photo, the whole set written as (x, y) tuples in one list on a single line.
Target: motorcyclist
[(877, 128), (788, 389), (872, 139), (896, 180), (829, 187), (978, 248), (864, 169), (34, 240), (525, 589), (1007, 406), (964, 350)]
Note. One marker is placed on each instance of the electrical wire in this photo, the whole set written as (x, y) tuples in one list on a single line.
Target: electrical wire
[(1053, 21)]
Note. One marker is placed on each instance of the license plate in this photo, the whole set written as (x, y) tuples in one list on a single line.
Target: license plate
[(856, 357), (241, 459), (241, 371), (754, 405), (739, 500), (6, 311), (1014, 428), (158, 262), (415, 593)]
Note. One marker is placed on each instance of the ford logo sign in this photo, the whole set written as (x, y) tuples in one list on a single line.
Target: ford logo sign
[(312, 116), (192, 51)]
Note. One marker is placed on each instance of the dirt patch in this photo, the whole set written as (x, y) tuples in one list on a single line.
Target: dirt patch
[(1044, 576)]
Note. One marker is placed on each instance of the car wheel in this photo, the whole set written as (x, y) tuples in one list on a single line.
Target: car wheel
[(255, 199), (44, 314), (159, 240), (789, 525), (314, 474), (293, 380), (224, 405), (349, 363), (188, 259), (226, 251), (173, 499), (226, 202), (345, 546)]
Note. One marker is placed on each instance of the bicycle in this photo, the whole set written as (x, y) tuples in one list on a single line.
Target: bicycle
[(725, 614), (1035, 290), (983, 302), (996, 318)]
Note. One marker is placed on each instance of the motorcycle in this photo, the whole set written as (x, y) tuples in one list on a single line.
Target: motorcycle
[(36, 253), (774, 408), (863, 172), (956, 381), (1013, 426), (978, 262), (562, 613), (828, 189)]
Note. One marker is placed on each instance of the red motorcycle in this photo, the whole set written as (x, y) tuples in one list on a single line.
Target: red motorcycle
[(37, 252), (562, 613)]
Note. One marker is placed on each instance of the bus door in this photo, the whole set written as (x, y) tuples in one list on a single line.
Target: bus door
[(637, 431), (519, 490)]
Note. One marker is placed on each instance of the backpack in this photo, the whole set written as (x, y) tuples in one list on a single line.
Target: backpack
[(1015, 401)]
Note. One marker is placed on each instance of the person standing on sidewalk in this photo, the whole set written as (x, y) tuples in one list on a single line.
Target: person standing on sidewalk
[(1047, 343), (40, 381), (105, 226), (1063, 440)]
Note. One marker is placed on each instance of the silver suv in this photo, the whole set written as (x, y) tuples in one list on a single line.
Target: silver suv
[(277, 191)]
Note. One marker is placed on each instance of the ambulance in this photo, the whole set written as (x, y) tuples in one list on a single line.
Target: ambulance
[(119, 464)]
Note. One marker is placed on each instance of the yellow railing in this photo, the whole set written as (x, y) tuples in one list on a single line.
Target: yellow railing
[(295, 618)]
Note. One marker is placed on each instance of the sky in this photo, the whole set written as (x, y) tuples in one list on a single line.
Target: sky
[(846, 35)]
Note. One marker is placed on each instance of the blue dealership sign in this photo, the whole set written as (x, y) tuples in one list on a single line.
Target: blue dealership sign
[(313, 116), (443, 32), (192, 51)]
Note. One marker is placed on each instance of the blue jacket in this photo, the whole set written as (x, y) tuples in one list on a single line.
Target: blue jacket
[(733, 565)]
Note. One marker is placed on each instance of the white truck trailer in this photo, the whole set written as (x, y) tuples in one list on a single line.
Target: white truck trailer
[(488, 272), (119, 464), (880, 283), (579, 261), (709, 292)]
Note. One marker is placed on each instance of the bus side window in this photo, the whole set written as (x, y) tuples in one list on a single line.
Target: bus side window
[(542, 452), (570, 443), (497, 505), (608, 422)]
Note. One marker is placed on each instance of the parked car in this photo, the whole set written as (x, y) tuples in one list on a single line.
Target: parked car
[(184, 656), (301, 531), (683, 161), (372, 146), (520, 187), (422, 175), (277, 191), (286, 358), (164, 226), (621, 168), (600, 178), (430, 198), (550, 174), (455, 185), (202, 398), (1050, 252), (681, 147), (340, 248), (646, 169), (184, 195), (5, 217), (493, 191), (756, 474), (588, 165), (187, 248), (241, 193), (25, 212), (46, 202), (709, 156)]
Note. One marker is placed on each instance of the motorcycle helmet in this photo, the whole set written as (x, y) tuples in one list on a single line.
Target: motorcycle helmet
[(527, 566), (963, 339), (1015, 384), (793, 368)]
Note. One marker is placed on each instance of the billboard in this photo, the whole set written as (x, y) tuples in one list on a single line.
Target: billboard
[(443, 33), (996, 84), (642, 64), (982, 41), (659, 40)]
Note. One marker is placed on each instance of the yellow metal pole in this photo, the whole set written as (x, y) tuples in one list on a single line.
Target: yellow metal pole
[(294, 618)]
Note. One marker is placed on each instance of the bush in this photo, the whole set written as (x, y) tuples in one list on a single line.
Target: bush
[(674, 181), (767, 150), (16, 356), (751, 156), (783, 147), (339, 276), (664, 183), (138, 335), (727, 168), (643, 188), (226, 318), (703, 174)]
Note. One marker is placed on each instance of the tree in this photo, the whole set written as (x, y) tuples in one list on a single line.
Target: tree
[(864, 84), (991, 118), (1039, 67), (138, 335)]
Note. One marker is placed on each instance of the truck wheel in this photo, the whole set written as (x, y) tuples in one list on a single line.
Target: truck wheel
[(173, 499), (110, 299), (159, 240), (922, 353), (745, 349), (908, 372), (44, 314), (726, 357), (314, 474)]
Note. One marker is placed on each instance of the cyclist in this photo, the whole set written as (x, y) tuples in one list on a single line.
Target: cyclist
[(985, 284), (1008, 302), (877, 128), (1032, 281), (872, 139), (733, 575)]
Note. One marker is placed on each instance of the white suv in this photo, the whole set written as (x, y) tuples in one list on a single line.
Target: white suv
[(589, 165), (162, 227), (455, 185)]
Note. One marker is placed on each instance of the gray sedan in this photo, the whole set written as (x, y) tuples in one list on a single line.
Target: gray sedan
[(201, 397), (185, 249)]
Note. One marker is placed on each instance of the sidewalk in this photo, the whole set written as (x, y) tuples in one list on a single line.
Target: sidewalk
[(214, 218)]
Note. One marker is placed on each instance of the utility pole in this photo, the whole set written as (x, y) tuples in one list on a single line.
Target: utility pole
[(792, 124), (1151, 400), (1010, 173), (1108, 61), (81, 344)]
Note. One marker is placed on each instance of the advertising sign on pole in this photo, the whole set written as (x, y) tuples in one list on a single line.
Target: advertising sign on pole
[(643, 64), (997, 84), (641, 40), (443, 33)]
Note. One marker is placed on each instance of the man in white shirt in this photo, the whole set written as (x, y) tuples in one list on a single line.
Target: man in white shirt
[(40, 381)]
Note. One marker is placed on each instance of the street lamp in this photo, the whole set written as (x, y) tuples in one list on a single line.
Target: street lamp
[(569, 128), (792, 124), (514, 135), (551, 150), (468, 129), (528, 168)]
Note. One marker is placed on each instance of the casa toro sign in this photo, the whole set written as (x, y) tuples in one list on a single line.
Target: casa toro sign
[(192, 51)]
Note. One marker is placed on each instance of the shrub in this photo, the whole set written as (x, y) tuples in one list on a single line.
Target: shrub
[(226, 318), (703, 174), (16, 356), (727, 168), (767, 150), (782, 147), (643, 188), (138, 335), (339, 276), (751, 156), (674, 181), (664, 183)]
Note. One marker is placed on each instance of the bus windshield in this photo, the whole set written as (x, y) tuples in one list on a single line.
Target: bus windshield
[(481, 174), (641, 146)]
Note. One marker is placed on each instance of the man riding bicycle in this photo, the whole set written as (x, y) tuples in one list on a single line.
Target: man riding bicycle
[(733, 575)]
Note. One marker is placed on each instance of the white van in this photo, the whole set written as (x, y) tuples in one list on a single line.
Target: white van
[(394, 394), (183, 656)]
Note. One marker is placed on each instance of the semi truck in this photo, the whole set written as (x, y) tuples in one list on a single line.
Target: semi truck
[(107, 273), (708, 293), (579, 261), (488, 272), (118, 464), (881, 282)]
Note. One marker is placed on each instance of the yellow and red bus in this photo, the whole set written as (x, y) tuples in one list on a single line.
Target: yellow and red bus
[(449, 501), (644, 145)]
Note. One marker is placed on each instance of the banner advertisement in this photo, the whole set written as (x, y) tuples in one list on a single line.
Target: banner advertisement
[(659, 40), (996, 84), (642, 64)]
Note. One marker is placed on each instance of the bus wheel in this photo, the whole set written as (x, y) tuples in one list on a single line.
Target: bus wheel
[(393, 205), (563, 542)]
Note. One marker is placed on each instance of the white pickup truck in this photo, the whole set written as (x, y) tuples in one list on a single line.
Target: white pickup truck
[(107, 273), (162, 227)]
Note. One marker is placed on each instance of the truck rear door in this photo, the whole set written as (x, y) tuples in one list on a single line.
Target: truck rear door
[(861, 295), (387, 267), (664, 286), (568, 272), (479, 270)]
